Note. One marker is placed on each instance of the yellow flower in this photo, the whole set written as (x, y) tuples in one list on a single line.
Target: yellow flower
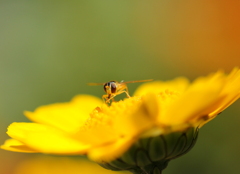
[(86, 126), (59, 165)]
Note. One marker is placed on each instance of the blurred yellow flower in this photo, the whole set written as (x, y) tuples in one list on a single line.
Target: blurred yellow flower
[(86, 126), (59, 165)]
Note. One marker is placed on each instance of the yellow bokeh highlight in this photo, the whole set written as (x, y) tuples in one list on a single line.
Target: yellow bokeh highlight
[(60, 165)]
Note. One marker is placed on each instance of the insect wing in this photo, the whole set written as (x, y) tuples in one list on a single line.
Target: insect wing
[(96, 84), (136, 81)]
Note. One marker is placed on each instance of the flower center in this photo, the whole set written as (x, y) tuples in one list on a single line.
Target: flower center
[(168, 95)]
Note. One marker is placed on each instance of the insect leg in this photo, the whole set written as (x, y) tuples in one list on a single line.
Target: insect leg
[(127, 93), (105, 98), (109, 98)]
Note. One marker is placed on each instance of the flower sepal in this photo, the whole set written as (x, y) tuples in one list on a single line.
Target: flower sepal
[(151, 155)]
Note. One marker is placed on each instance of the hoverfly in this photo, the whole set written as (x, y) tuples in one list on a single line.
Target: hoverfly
[(114, 88)]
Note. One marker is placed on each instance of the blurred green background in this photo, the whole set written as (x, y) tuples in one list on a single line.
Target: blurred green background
[(50, 50)]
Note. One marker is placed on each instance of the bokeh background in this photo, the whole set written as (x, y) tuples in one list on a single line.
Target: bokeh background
[(50, 50)]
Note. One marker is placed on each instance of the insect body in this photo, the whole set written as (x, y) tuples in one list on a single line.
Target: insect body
[(114, 88)]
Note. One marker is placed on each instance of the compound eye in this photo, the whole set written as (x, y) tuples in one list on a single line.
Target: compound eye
[(113, 87)]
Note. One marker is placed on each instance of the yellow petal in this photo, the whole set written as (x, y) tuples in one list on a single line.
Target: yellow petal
[(109, 152), (16, 146), (195, 101), (67, 116), (97, 135), (229, 94), (45, 139), (231, 91), (179, 84)]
